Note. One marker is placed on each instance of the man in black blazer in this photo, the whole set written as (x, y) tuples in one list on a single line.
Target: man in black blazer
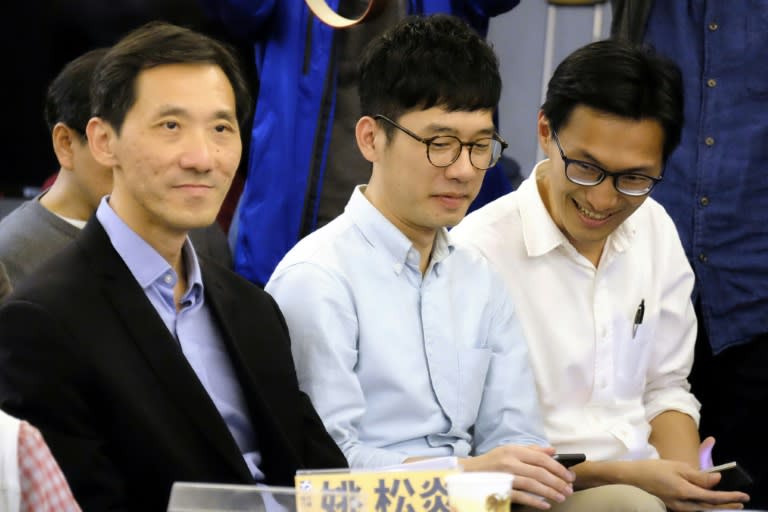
[(140, 363)]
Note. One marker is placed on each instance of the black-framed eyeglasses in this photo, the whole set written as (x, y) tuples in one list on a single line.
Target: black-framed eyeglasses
[(588, 174), (443, 150)]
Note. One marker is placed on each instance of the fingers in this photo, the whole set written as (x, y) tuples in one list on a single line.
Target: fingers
[(544, 460), (705, 452), (696, 506), (547, 450), (719, 499), (700, 491), (554, 492), (535, 472), (531, 500)]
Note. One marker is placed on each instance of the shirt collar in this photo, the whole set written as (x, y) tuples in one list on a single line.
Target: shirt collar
[(145, 264), (379, 232), (541, 234)]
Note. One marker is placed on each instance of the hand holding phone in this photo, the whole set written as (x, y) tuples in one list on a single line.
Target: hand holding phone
[(733, 477), (569, 459)]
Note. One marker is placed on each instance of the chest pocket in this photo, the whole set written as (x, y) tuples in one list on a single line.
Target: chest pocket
[(631, 361)]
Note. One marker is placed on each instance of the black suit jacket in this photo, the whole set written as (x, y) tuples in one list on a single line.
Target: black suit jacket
[(85, 357)]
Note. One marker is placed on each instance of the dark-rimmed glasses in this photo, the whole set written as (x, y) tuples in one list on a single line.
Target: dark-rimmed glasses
[(588, 174), (443, 150)]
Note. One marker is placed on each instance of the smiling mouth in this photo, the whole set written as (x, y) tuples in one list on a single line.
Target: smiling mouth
[(590, 214)]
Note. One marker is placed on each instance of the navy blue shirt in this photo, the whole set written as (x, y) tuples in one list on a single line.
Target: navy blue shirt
[(716, 183)]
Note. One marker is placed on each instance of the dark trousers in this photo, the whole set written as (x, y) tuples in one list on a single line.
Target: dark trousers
[(733, 389)]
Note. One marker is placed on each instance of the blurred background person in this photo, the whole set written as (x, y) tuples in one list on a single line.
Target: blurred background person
[(715, 189), (303, 162)]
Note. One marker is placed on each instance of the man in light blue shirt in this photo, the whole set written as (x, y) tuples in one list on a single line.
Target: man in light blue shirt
[(408, 346)]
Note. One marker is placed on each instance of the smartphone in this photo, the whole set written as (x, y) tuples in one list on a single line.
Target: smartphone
[(733, 477), (569, 459)]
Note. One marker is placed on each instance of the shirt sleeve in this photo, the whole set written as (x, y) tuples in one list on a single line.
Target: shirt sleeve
[(509, 411), (320, 312), (672, 357)]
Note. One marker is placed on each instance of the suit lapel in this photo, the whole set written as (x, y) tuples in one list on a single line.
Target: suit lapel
[(249, 356), (146, 330)]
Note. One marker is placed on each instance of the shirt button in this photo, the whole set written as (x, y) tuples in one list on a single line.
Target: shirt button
[(168, 278), (709, 141), (703, 258), (711, 82), (713, 26), (704, 201)]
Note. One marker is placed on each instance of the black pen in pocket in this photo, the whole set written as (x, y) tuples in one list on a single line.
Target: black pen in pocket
[(638, 317)]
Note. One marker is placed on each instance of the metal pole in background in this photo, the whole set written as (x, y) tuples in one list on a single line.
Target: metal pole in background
[(546, 71), (549, 43)]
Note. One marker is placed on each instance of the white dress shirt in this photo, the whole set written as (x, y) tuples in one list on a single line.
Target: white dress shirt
[(599, 384), (400, 365)]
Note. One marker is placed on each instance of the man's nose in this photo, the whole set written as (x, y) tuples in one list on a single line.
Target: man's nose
[(603, 196), (198, 152)]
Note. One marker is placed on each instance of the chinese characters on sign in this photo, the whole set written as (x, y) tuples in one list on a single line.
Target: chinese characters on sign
[(401, 491)]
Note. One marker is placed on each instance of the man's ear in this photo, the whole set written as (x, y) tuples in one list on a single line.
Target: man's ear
[(543, 132), (63, 138), (369, 137), (101, 137)]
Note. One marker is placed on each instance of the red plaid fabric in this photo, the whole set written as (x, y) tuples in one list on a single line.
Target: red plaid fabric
[(43, 486)]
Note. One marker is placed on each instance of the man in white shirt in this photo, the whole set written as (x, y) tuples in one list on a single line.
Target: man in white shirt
[(409, 347), (601, 280)]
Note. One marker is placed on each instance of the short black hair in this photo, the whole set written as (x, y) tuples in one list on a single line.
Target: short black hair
[(68, 98), (619, 78), (158, 43), (428, 61)]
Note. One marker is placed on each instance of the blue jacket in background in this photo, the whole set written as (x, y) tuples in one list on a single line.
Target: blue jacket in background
[(295, 104)]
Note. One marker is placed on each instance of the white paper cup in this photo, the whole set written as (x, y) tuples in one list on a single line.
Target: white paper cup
[(479, 491)]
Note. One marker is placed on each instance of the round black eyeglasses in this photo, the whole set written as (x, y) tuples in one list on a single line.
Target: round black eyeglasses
[(443, 150)]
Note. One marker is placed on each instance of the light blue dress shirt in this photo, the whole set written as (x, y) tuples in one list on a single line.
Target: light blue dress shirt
[(400, 365), (193, 326)]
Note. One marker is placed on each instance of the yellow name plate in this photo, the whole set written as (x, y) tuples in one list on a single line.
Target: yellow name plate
[(379, 491)]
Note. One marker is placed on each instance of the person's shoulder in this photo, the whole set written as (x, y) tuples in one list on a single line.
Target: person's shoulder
[(16, 222), (653, 219), (467, 256), (211, 241), (31, 228), (492, 216), (492, 227), (58, 283), (327, 247)]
